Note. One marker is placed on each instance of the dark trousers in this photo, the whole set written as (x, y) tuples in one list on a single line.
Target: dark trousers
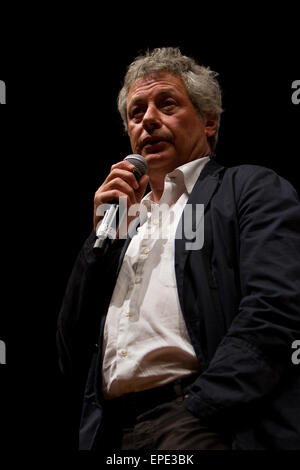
[(156, 419)]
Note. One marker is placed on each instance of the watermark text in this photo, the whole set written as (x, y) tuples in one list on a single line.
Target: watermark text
[(296, 354), (2, 352), (2, 92), (160, 222), (296, 94)]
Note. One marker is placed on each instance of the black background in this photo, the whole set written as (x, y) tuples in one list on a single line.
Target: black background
[(60, 133)]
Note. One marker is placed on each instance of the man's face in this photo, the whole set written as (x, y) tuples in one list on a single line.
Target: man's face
[(163, 124)]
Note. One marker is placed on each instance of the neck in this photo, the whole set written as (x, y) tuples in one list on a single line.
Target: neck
[(157, 177), (157, 184)]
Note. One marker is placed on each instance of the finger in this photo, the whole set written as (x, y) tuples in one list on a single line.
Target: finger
[(126, 175), (121, 185), (106, 198), (123, 165), (139, 193)]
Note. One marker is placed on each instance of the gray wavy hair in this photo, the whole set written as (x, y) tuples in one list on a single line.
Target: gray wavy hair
[(200, 82)]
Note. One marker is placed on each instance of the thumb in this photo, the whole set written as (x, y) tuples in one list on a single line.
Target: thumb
[(139, 193)]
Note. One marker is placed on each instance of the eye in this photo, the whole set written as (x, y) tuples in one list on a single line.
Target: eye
[(169, 104), (136, 113)]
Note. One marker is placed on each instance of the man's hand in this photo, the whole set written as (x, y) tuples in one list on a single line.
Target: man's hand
[(120, 182)]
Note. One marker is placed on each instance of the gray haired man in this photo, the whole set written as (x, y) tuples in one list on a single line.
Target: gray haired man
[(181, 348)]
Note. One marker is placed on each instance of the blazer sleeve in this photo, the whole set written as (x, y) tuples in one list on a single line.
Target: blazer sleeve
[(251, 360), (85, 302)]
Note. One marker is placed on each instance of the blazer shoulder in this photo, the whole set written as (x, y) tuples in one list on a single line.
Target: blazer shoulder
[(240, 172), (245, 179), (255, 173), (246, 170)]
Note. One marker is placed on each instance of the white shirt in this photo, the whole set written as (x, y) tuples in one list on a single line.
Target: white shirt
[(145, 342)]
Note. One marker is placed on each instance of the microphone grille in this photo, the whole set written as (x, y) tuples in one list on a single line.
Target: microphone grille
[(139, 162)]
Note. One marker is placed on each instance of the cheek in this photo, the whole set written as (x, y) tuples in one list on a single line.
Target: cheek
[(132, 137), (180, 128), (181, 136)]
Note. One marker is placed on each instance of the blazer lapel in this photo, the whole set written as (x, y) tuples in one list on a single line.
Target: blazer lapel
[(192, 217)]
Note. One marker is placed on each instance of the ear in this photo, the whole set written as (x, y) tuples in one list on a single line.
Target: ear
[(210, 125)]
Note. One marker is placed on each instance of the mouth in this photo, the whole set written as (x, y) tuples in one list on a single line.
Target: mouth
[(153, 142)]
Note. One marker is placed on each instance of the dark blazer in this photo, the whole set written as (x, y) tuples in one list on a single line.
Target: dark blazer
[(240, 298)]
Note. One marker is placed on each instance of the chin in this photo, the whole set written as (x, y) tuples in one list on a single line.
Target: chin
[(159, 165), (156, 158)]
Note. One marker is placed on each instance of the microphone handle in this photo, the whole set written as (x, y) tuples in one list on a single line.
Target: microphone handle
[(106, 234), (101, 246), (113, 216)]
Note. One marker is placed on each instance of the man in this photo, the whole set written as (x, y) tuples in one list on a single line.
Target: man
[(187, 345)]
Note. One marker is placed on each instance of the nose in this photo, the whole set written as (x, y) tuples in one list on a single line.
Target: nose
[(151, 118)]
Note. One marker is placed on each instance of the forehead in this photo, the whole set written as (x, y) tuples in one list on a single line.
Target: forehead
[(162, 82)]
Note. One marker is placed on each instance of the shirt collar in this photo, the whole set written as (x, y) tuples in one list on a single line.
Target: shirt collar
[(185, 175), (190, 172)]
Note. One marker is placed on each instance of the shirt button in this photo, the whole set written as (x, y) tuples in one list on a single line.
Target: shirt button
[(137, 280), (127, 314), (124, 353), (146, 251)]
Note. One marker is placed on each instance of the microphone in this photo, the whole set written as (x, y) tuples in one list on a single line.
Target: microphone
[(112, 218)]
